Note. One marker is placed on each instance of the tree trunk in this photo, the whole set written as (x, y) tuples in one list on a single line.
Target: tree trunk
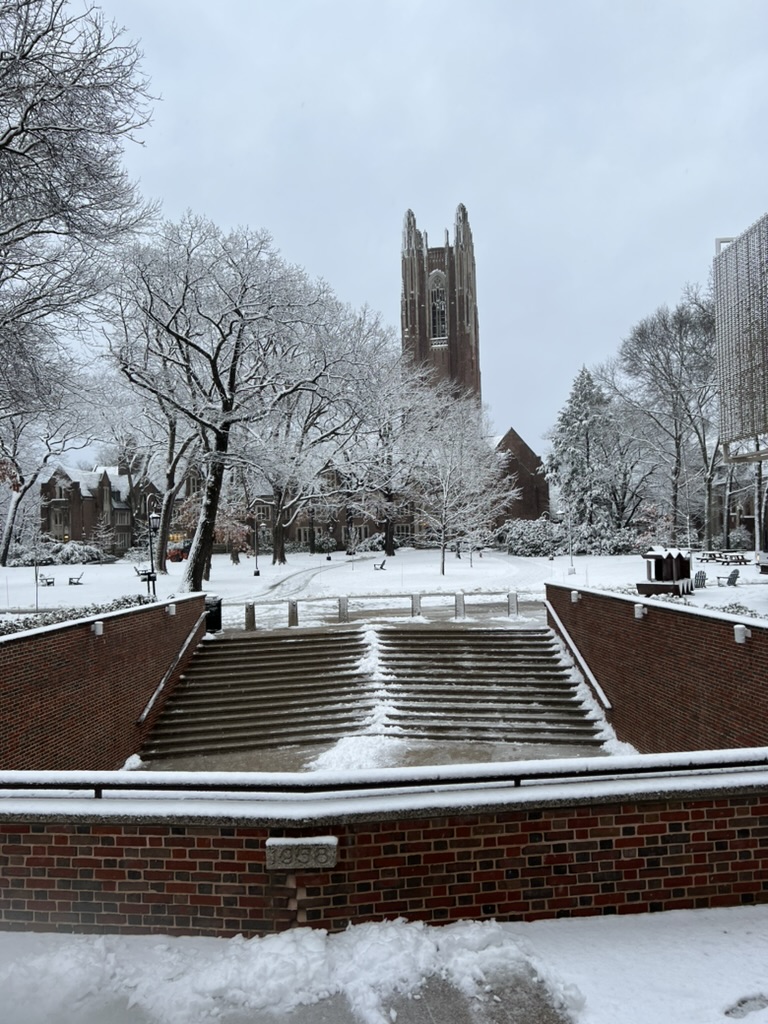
[(389, 538), (199, 562), (727, 510), (10, 521), (676, 470), (278, 542)]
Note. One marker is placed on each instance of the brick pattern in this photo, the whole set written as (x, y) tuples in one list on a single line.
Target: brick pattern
[(676, 679), (71, 700), (512, 864)]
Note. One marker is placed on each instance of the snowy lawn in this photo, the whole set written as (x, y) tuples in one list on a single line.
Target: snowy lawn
[(410, 571)]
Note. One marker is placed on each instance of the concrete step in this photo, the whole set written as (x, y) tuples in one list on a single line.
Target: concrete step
[(438, 683)]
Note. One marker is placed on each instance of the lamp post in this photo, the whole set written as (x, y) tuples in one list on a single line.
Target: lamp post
[(153, 522), (256, 526)]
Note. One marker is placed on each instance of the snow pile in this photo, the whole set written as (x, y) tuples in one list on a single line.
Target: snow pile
[(176, 981), (686, 967)]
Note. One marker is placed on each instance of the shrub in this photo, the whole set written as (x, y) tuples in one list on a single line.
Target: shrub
[(68, 614)]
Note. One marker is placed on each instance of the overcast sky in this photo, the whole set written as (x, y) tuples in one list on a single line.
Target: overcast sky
[(600, 147)]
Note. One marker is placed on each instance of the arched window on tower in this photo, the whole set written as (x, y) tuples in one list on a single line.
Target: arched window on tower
[(438, 316)]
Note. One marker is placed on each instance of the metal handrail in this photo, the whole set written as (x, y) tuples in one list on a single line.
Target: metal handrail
[(98, 785)]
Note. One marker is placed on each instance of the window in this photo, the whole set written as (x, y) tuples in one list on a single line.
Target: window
[(438, 317), (261, 513)]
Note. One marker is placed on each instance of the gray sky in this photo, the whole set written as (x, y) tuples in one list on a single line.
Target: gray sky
[(599, 146)]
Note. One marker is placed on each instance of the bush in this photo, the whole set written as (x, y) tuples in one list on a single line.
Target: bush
[(532, 538), (375, 542), (68, 614), (739, 539), (50, 552), (545, 538)]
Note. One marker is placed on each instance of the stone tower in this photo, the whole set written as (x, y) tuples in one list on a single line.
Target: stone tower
[(439, 303)]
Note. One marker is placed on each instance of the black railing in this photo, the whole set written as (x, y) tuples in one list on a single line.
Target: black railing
[(178, 785)]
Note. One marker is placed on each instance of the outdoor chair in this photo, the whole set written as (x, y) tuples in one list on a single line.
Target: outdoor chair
[(379, 565), (47, 581), (76, 580), (729, 580), (699, 580)]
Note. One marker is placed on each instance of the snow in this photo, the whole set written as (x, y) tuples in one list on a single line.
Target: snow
[(686, 967), (317, 583)]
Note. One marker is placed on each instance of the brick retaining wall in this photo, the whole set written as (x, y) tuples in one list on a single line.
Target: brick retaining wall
[(676, 678), (604, 856), (71, 699)]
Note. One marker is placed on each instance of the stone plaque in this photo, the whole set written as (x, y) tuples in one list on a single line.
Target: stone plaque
[(308, 853)]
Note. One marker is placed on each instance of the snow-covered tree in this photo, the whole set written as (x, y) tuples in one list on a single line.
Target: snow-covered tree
[(299, 442), (577, 463), (32, 440), (461, 484), (379, 472), (669, 379), (71, 95), (214, 324)]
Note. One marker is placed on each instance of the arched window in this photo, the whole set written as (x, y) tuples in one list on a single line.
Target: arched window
[(438, 317)]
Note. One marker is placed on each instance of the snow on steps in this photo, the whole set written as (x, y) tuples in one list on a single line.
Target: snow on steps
[(263, 690)]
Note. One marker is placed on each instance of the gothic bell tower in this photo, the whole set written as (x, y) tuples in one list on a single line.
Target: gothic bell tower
[(439, 303)]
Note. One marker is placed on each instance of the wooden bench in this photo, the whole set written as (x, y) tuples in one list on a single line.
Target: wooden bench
[(379, 565), (47, 581), (75, 581)]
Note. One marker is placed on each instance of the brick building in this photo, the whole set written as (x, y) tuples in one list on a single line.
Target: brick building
[(81, 505)]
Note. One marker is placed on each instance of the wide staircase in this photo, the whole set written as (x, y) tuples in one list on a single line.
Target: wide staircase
[(265, 690)]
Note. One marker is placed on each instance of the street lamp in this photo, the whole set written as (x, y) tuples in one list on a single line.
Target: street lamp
[(257, 542), (153, 521)]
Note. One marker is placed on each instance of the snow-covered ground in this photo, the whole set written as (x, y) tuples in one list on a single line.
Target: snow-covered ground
[(312, 577), (692, 967), (680, 967)]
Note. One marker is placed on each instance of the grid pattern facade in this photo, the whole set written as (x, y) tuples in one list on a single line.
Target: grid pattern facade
[(741, 323)]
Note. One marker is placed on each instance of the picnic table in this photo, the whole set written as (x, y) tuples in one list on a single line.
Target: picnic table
[(734, 558), (723, 557)]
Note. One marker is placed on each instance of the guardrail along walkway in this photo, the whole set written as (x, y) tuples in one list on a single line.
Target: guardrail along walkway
[(263, 690)]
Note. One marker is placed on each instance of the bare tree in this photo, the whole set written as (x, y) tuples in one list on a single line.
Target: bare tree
[(212, 325), (31, 441), (462, 485), (668, 361), (379, 472), (71, 95)]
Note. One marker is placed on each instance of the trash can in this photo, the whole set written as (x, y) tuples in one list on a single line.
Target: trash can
[(212, 613)]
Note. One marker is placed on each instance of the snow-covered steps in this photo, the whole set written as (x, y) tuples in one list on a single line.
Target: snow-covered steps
[(506, 686), (256, 690), (440, 683)]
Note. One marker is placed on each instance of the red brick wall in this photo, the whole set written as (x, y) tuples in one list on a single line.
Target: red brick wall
[(71, 699), (514, 863), (676, 678)]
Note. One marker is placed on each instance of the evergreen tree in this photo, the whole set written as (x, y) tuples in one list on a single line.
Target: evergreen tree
[(577, 463)]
